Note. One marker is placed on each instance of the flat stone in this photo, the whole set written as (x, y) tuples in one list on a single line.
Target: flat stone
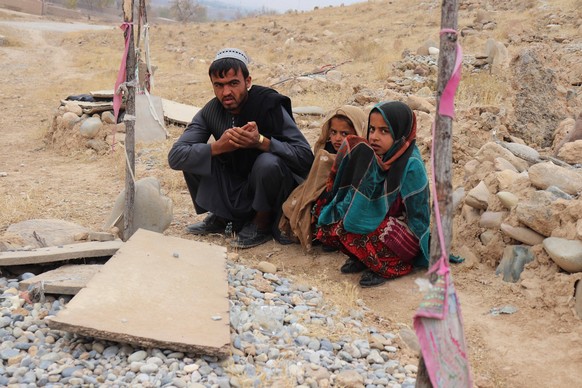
[(60, 253), (100, 236), (179, 113), (67, 280), (146, 296), (46, 232)]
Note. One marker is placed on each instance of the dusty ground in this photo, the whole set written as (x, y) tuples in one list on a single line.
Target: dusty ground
[(537, 346)]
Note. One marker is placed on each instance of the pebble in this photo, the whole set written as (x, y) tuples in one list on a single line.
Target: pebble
[(294, 344)]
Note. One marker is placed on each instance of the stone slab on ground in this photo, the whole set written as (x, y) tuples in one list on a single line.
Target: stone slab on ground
[(46, 232), (60, 253), (92, 107), (179, 113), (156, 291), (65, 280), (106, 93)]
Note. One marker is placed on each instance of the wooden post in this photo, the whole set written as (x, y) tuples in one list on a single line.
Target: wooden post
[(442, 151), (129, 119)]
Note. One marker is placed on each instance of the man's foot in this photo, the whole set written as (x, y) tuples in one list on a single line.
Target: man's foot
[(251, 236), (211, 224), (371, 279), (352, 265)]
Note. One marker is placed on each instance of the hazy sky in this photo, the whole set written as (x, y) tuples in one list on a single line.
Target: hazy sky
[(285, 5)]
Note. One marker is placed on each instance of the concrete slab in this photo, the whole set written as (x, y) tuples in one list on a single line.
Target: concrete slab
[(60, 253), (156, 291), (65, 280), (179, 113)]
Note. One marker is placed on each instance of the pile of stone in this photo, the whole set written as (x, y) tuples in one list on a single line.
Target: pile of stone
[(282, 334), (73, 129)]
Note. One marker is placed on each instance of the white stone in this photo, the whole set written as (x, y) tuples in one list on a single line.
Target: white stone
[(91, 127), (525, 235), (70, 119), (152, 210), (507, 199), (566, 253), (522, 151), (74, 108)]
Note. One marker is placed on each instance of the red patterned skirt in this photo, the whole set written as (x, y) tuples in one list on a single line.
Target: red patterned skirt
[(388, 251)]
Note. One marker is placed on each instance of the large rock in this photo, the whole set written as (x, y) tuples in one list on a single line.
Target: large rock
[(540, 213), (152, 210), (566, 253), (91, 127), (524, 152), (543, 175), (490, 151), (538, 105), (38, 233)]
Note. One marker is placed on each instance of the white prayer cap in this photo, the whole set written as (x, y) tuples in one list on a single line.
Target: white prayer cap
[(232, 53)]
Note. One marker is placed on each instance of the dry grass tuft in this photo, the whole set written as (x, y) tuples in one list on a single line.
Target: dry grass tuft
[(10, 39), (363, 50), (482, 89)]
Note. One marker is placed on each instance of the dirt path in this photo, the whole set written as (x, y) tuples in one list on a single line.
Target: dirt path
[(532, 347)]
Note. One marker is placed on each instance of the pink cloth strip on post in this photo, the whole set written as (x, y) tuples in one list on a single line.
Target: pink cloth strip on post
[(438, 321), (447, 103)]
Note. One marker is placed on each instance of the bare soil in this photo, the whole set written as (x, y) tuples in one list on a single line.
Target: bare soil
[(539, 345)]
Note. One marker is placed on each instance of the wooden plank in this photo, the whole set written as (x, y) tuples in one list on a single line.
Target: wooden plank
[(65, 280), (176, 112), (60, 253), (156, 291)]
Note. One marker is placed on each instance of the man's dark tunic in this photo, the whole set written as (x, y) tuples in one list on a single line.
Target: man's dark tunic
[(235, 185)]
